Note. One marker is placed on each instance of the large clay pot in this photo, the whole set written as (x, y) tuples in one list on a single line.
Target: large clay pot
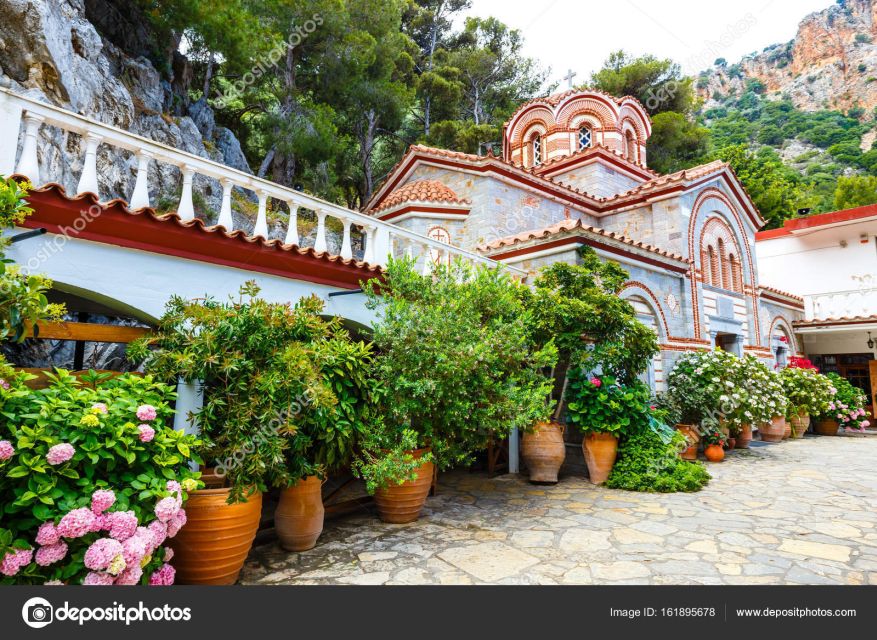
[(826, 427), (543, 451), (787, 430), (714, 452), (692, 436), (773, 431), (600, 450), (401, 503), (744, 437), (213, 544), (298, 519), (732, 443), (800, 423)]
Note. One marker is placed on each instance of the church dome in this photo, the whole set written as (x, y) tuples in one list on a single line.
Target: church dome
[(421, 191)]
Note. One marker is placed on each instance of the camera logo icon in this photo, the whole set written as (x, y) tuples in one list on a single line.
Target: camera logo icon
[(37, 613)]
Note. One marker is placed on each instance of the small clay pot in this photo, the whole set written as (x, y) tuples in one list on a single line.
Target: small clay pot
[(543, 451), (714, 452), (692, 436), (826, 427), (744, 437), (800, 423), (298, 519), (732, 443), (600, 450), (773, 431), (402, 503), (213, 544)]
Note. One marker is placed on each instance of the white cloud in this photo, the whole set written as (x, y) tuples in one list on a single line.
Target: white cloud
[(566, 34)]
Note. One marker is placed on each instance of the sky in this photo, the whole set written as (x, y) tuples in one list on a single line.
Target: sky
[(579, 35)]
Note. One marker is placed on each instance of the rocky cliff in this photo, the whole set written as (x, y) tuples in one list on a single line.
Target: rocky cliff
[(87, 56), (831, 63)]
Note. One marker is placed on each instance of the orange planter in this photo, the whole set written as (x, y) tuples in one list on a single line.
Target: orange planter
[(543, 451), (212, 546), (800, 423), (744, 437), (773, 431), (714, 452), (401, 503), (298, 519), (691, 435), (826, 427), (600, 450)]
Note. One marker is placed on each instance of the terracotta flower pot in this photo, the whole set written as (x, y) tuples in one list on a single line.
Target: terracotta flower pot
[(826, 427), (401, 503), (600, 450), (744, 437), (298, 519), (692, 436), (787, 429), (800, 423), (212, 546), (773, 431), (544, 451), (714, 452), (732, 443)]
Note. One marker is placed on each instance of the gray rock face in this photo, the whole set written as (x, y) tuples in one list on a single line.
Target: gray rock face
[(53, 53)]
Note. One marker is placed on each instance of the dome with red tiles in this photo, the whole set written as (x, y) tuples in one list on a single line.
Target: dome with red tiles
[(421, 191)]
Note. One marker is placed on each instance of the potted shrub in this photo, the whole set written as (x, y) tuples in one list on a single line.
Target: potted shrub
[(261, 366), (762, 399), (808, 393), (845, 409), (603, 410), (94, 480), (457, 365), (714, 442)]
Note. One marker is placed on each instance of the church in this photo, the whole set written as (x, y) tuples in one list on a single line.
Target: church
[(573, 171)]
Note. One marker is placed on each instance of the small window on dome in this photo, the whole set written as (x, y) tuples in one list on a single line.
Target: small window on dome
[(537, 149), (584, 138)]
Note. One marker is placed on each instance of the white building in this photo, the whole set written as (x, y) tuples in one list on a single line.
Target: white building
[(831, 261)]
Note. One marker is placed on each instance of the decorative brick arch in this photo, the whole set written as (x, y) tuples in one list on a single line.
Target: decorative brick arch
[(637, 127), (641, 290), (602, 108), (780, 321), (538, 116), (717, 238)]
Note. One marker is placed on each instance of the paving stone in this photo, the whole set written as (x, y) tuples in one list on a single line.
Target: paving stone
[(618, 570), (489, 561), (816, 549), (533, 539)]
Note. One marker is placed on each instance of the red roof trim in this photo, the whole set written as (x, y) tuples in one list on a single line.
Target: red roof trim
[(192, 240), (819, 220), (452, 211)]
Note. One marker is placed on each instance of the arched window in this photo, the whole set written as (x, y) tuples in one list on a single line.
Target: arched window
[(720, 257), (715, 277), (631, 147), (537, 149), (442, 235), (585, 138), (736, 274), (725, 266)]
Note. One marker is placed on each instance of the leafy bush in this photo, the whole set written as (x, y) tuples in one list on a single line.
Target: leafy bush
[(807, 391), (90, 464), (599, 404), (648, 460), (848, 404), (457, 359)]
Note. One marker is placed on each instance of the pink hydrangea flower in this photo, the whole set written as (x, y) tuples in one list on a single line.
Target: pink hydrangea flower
[(4, 384), (76, 523), (866, 423), (98, 579), (101, 500), (134, 549), (176, 523), (173, 486), (596, 382), (13, 561), (60, 453), (168, 554), (6, 449), (163, 577), (146, 412), (48, 534), (51, 554), (122, 524), (166, 508), (130, 576), (101, 553), (159, 531), (147, 433), (100, 406)]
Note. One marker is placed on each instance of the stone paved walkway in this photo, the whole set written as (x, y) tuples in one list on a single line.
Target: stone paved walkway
[(802, 512)]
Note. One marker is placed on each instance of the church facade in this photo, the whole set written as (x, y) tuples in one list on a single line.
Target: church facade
[(573, 172)]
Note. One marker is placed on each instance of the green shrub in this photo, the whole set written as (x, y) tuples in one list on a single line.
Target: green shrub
[(649, 461)]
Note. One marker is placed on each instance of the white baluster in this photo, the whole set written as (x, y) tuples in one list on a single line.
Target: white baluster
[(427, 259), (382, 245), (320, 245), (186, 210), (140, 196), (261, 228), (28, 165), (10, 126), (88, 179), (368, 237), (390, 246), (225, 218), (292, 230), (346, 249), (409, 251)]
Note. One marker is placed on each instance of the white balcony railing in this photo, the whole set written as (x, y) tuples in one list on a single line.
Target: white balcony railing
[(381, 239), (841, 304)]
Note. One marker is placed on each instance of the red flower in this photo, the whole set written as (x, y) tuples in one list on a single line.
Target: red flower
[(596, 382)]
